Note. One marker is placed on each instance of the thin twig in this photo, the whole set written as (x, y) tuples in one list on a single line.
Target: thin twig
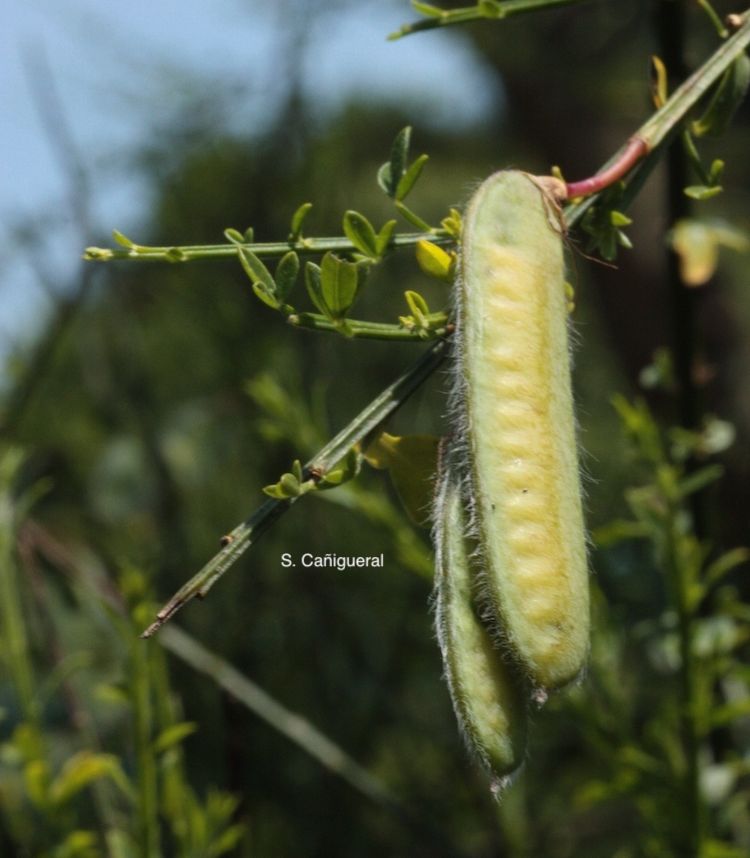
[(480, 12), (266, 250), (357, 329), (248, 532)]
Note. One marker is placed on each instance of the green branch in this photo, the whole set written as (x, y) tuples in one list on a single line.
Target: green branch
[(488, 9), (355, 328), (248, 532), (303, 246)]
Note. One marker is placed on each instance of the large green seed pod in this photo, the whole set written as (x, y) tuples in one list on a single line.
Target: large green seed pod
[(514, 374), (489, 693)]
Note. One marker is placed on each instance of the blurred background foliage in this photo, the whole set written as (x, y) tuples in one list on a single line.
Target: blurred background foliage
[(158, 399)]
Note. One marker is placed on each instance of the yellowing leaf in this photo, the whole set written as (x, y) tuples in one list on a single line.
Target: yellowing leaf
[(434, 261), (81, 770), (173, 735), (36, 777), (697, 244), (411, 461)]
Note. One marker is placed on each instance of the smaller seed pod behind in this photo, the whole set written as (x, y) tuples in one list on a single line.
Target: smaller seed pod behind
[(489, 693)]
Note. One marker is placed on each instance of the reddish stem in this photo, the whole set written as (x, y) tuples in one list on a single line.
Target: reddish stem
[(635, 149)]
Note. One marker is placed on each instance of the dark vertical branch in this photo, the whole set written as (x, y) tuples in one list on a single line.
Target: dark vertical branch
[(670, 24), (670, 30)]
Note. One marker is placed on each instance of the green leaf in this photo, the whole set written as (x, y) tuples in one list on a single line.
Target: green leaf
[(298, 219), (120, 844), (624, 241), (659, 82), (390, 173), (412, 217), (384, 178), (727, 97), (290, 485), (81, 770), (730, 712), (338, 282), (344, 471), (721, 849), (314, 289), (234, 235), (434, 261), (702, 192), (619, 219), (452, 223), (427, 9), (716, 170), (226, 841), (603, 223), (699, 480), (112, 694), (286, 275), (411, 462), (417, 305), (491, 9), (618, 531), (260, 277), (723, 565), (384, 236), (408, 180), (78, 844), (122, 240), (36, 777), (249, 235), (173, 735), (359, 230)]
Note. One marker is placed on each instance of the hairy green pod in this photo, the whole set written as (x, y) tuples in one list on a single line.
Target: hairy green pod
[(514, 375), (488, 692)]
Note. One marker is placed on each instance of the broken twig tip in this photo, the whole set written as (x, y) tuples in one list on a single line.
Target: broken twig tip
[(152, 629)]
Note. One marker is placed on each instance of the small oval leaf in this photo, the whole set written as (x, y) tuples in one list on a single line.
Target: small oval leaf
[(384, 236), (298, 218), (286, 274), (408, 180), (338, 281), (359, 230), (314, 288), (263, 283), (434, 261)]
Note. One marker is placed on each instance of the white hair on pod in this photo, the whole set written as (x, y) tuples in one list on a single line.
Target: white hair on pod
[(513, 446), (488, 691)]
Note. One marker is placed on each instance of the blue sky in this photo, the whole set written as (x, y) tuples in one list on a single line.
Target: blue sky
[(117, 67)]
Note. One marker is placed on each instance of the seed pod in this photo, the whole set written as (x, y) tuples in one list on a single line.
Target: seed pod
[(488, 692), (517, 413)]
